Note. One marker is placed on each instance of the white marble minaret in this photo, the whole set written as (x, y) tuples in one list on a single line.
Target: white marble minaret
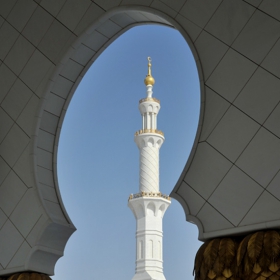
[(149, 205)]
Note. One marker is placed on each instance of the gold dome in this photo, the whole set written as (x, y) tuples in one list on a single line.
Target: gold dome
[(149, 80)]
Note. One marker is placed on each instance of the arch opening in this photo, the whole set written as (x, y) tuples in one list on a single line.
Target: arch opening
[(99, 98), (64, 82)]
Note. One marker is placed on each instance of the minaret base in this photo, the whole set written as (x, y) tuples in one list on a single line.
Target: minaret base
[(149, 209)]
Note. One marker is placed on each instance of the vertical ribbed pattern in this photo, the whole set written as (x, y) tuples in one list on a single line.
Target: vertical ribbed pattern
[(149, 169)]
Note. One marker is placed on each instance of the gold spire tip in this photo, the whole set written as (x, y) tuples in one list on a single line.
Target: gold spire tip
[(149, 80)]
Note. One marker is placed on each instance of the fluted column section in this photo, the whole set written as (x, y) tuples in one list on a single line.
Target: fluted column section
[(149, 169), (149, 145)]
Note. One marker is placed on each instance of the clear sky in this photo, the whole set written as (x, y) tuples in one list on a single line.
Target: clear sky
[(98, 160)]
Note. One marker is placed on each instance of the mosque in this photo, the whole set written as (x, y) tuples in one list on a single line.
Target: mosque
[(230, 186)]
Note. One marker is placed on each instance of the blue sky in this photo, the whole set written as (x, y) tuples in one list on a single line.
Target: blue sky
[(98, 159)]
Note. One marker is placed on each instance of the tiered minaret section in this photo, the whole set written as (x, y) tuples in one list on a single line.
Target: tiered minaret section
[(149, 205)]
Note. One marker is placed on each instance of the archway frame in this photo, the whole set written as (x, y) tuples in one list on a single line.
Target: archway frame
[(58, 228)]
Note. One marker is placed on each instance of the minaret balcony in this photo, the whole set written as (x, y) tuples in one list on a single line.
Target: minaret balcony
[(149, 99), (149, 194), (141, 131)]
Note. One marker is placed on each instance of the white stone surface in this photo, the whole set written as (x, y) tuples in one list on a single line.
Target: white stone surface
[(11, 240), (26, 117), (7, 124), (196, 203), (62, 87), (108, 28), (225, 25), (254, 3), (93, 13), (11, 192), (39, 38), (22, 169), (261, 158), (4, 170), (8, 36), (13, 145), (108, 4), (232, 133), (149, 206), (27, 206), (55, 104), (19, 54), (159, 5), (148, 212), (270, 61), (83, 54), (6, 84), (215, 108), (54, 40), (72, 12), (193, 29), (273, 186), (260, 96), (16, 99), (221, 222), (46, 140), (20, 13), (199, 11), (256, 213), (271, 7), (53, 6), (37, 26), (211, 51), (272, 121), (213, 167), (229, 81), (49, 122), (6, 8), (235, 195), (149, 166), (123, 20), (257, 37), (175, 5), (35, 70)]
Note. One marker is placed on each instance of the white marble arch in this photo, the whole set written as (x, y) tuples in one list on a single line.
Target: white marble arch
[(230, 184), (39, 244)]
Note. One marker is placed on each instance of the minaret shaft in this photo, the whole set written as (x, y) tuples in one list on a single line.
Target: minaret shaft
[(149, 205), (149, 169)]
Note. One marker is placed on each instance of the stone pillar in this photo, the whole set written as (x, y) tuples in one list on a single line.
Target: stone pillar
[(255, 256)]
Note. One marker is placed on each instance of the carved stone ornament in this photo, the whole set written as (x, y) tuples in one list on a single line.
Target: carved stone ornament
[(253, 257), (26, 276)]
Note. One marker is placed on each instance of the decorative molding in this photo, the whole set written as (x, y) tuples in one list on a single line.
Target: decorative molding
[(149, 99), (148, 194), (149, 131)]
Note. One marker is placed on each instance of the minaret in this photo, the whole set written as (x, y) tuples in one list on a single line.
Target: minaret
[(149, 205)]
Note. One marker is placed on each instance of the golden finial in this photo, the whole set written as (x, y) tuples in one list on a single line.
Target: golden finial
[(149, 80)]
